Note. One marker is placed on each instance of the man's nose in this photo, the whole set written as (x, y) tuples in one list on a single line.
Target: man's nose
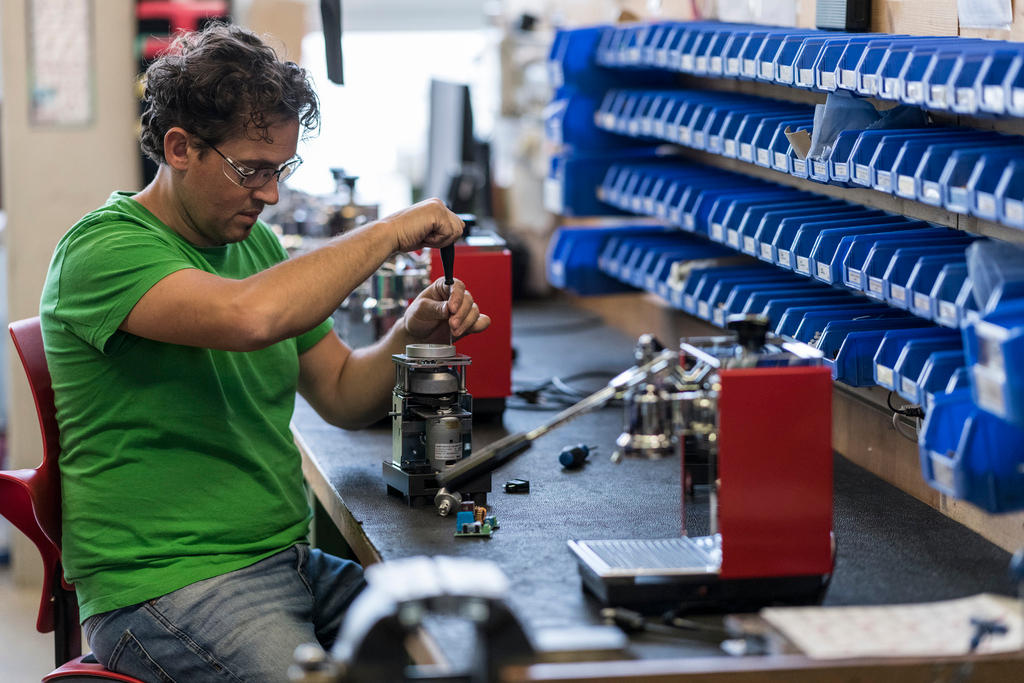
[(268, 194)]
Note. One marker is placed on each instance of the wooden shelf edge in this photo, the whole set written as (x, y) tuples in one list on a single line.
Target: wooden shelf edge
[(862, 424)]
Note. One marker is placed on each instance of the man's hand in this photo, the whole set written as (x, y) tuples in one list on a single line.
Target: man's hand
[(426, 316), (426, 224)]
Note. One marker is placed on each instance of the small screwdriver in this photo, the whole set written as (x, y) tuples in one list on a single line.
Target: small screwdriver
[(448, 263), (573, 457)]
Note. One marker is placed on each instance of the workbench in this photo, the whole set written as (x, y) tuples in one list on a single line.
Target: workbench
[(891, 548)]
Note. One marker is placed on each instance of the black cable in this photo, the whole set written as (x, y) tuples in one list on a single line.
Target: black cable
[(908, 410)]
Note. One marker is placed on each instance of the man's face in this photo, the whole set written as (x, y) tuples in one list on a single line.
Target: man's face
[(218, 210)]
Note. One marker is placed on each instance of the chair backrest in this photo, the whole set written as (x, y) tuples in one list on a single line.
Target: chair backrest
[(30, 498)]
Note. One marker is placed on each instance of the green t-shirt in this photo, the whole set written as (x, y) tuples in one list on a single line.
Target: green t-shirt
[(177, 463)]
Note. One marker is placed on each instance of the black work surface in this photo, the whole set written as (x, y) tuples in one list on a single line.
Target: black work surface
[(891, 547)]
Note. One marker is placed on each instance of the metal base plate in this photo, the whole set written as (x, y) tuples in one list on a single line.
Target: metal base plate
[(420, 489)]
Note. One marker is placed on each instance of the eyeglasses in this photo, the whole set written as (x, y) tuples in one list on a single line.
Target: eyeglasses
[(255, 178)]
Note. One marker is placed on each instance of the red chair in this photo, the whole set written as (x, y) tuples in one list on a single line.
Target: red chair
[(30, 499)]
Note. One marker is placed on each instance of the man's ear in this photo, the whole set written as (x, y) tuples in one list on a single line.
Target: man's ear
[(176, 145)]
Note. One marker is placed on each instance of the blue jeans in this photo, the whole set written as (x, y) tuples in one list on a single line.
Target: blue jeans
[(241, 626)]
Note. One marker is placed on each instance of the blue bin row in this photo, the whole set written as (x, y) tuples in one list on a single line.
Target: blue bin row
[(995, 351), (907, 264), (864, 341), (958, 74), (966, 171)]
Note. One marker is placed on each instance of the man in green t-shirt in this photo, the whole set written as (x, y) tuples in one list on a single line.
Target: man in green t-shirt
[(177, 332)]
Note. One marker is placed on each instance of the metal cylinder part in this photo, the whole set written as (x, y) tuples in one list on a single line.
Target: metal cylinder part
[(433, 383), (444, 441), (649, 432), (445, 501), (429, 350)]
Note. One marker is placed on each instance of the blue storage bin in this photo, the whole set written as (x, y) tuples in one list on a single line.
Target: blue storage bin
[(775, 304), (928, 179), (887, 267), (862, 155), (741, 228), (714, 296), (812, 324), (695, 296), (993, 82), (949, 285), (911, 290), (730, 210), (774, 234), (791, 318), (907, 170), (1015, 87), (962, 82), (1010, 195), (974, 456), (982, 186), (921, 284), (827, 65), (815, 246), (882, 166), (911, 361), (741, 295), (935, 376), (937, 81), (572, 258), (861, 247), (995, 351), (891, 347), (852, 344)]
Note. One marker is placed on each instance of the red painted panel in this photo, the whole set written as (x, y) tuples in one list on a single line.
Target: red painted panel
[(775, 467), (487, 273)]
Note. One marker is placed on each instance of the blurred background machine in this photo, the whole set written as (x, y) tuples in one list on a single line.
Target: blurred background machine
[(770, 518)]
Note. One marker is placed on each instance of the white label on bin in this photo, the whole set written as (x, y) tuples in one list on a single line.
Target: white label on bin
[(820, 168), (785, 73), (824, 271), (958, 198), (986, 203), (687, 62), (730, 148), (883, 375), (746, 151), (767, 71), (553, 195), (1018, 100), (890, 86), (732, 65), (883, 180), (803, 265), (1014, 210), (990, 391), (869, 84), (784, 257), (716, 64), (805, 77), (749, 67), (703, 310), (719, 317), (698, 139), (938, 95), (947, 311), (915, 91), (942, 472), (965, 98), (799, 166), (688, 222), (701, 63), (748, 245), (909, 386), (875, 285), (905, 186), (828, 80), (780, 161), (897, 292), (762, 157), (930, 190), (717, 231), (847, 78), (684, 135), (841, 172), (922, 302), (766, 251), (861, 173), (688, 302), (853, 276), (733, 238)]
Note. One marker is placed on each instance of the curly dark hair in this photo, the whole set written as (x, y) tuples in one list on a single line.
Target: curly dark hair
[(221, 81)]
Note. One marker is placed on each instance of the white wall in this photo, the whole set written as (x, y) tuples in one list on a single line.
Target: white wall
[(51, 176)]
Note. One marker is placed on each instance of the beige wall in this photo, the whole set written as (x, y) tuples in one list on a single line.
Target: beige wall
[(51, 176)]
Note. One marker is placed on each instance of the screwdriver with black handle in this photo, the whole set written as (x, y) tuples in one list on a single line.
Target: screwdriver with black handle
[(448, 263)]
